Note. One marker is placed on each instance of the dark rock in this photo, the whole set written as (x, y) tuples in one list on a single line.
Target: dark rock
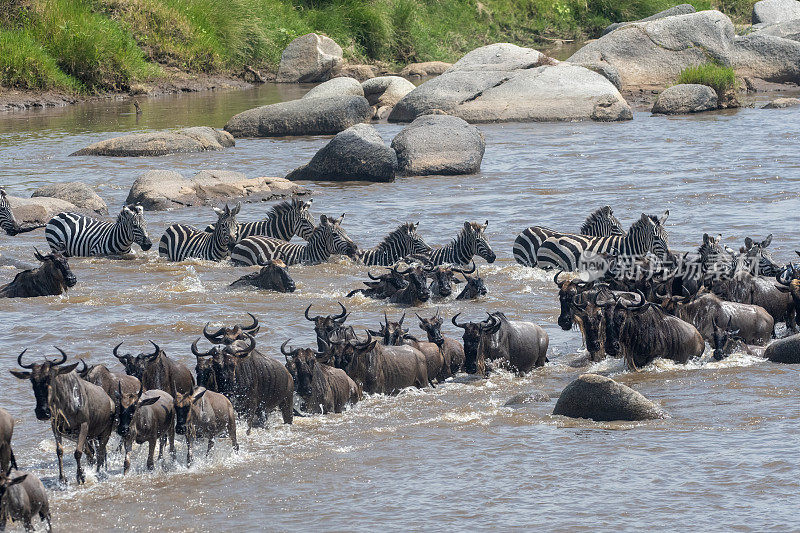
[(602, 399)]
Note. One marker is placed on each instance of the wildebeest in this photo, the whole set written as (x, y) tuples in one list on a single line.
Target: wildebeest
[(273, 276), (76, 409), (443, 277), (746, 288), (7, 458), (416, 292), (393, 334), (157, 371), (204, 414), (145, 417), (204, 369), (641, 331), (53, 277), (229, 335), (726, 341), (254, 383), (452, 350), (109, 381), (474, 287), (789, 283), (21, 498), (521, 346), (380, 369), (382, 286), (327, 327), (323, 388)]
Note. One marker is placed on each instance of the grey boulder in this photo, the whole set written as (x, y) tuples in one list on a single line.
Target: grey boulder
[(782, 103), (602, 399), (768, 58), (158, 190), (427, 68), (523, 398), (307, 116), (76, 193), (500, 56), (682, 9), (309, 58), (686, 98), (773, 11), (157, 143), (39, 210), (438, 144), (788, 29), (343, 86), (785, 350), (386, 90), (357, 154)]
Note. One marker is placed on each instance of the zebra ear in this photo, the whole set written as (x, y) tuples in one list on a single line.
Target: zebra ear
[(664, 217), (323, 219), (766, 242), (467, 225), (646, 219), (748, 243), (706, 238), (235, 210)]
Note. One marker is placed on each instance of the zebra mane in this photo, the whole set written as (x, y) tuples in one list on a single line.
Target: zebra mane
[(601, 217), (286, 206), (394, 234)]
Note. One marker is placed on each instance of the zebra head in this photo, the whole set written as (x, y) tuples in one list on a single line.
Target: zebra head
[(714, 257), (660, 247), (336, 239), (416, 244), (648, 235), (474, 234), (226, 230), (760, 259), (133, 217), (305, 222)]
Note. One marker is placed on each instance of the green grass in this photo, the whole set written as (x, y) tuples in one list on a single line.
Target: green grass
[(719, 78), (96, 45)]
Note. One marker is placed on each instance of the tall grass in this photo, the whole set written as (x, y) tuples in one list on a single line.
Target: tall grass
[(718, 77)]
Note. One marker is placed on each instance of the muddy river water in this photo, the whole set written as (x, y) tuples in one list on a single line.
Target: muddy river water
[(439, 459)]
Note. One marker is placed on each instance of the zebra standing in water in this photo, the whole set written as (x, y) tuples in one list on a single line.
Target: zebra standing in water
[(7, 221), (284, 221), (543, 247), (602, 223), (328, 238), (181, 241), (470, 242), (77, 235), (398, 244)]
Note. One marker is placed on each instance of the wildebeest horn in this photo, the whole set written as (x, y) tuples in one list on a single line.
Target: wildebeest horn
[(429, 267), (325, 348), (213, 337), (85, 367), (373, 277), (308, 317), (456, 324), (635, 305), (419, 317), (404, 272), (63, 357), (158, 349), (197, 353), (490, 322), (253, 327), (246, 351), (401, 319), (344, 310), (117, 355), (19, 360), (283, 348), (783, 277), (366, 342), (38, 254), (555, 278), (658, 294)]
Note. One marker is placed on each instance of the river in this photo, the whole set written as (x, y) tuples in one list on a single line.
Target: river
[(440, 459)]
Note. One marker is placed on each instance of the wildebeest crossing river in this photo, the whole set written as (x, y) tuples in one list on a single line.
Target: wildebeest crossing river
[(453, 456)]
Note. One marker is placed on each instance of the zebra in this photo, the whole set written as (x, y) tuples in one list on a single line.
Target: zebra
[(328, 238), (77, 235), (283, 221), (720, 260), (395, 246), (470, 241), (8, 223), (181, 241), (753, 251), (538, 246), (602, 223)]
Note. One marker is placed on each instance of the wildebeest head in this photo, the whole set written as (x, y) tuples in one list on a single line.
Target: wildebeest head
[(477, 339), (225, 360), (57, 267), (433, 327), (183, 407), (442, 278), (204, 368), (326, 326), (126, 406), (622, 309), (42, 377), (789, 281), (725, 339), (392, 333), (133, 215), (301, 362), (226, 227), (474, 233), (274, 275), (474, 287), (136, 365), (568, 290), (229, 335), (7, 481), (335, 238), (417, 282), (352, 356)]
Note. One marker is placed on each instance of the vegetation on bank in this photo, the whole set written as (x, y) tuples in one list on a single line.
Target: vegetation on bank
[(720, 78), (99, 45)]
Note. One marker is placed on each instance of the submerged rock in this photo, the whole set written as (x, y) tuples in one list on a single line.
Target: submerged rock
[(386, 90), (76, 193), (682, 9), (535, 396), (602, 399), (439, 144), (686, 98), (782, 103), (309, 58), (157, 190), (157, 143), (358, 153), (307, 116), (336, 87), (786, 350)]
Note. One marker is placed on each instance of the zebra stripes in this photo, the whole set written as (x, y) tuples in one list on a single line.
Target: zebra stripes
[(602, 223), (395, 246), (328, 238), (470, 241), (7, 221), (283, 221), (77, 235), (181, 241), (538, 246)]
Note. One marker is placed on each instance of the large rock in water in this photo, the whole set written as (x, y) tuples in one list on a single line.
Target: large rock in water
[(308, 59), (309, 116), (336, 87), (358, 153), (76, 193), (686, 98), (785, 350), (187, 140), (506, 83), (653, 53), (774, 11), (386, 90), (766, 57), (438, 144), (40, 210), (158, 190), (683, 9), (782, 103), (602, 399)]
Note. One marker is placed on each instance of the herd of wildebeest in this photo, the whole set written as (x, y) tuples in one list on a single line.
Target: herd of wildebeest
[(631, 296)]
